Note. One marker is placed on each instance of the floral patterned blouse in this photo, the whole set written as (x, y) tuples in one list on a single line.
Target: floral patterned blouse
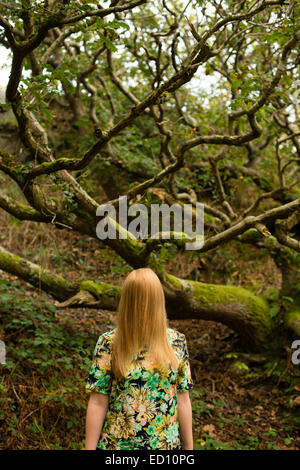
[(142, 411)]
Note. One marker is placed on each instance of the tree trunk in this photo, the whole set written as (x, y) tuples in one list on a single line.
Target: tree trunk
[(236, 307), (288, 262)]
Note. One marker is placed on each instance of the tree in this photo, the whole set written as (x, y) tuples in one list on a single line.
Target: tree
[(113, 87)]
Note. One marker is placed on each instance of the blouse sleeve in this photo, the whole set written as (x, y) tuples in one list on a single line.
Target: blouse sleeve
[(99, 379), (184, 379)]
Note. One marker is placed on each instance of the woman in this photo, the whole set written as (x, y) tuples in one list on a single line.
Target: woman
[(140, 376)]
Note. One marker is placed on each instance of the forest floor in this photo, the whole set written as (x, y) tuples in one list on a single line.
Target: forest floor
[(238, 403)]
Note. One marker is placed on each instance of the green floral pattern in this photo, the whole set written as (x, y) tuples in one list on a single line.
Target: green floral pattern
[(142, 411)]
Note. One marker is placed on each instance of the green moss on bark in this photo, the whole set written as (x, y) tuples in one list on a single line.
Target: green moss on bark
[(36, 276), (251, 235), (236, 307), (292, 321), (101, 290)]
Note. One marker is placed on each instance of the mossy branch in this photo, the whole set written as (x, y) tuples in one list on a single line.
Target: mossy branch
[(37, 276)]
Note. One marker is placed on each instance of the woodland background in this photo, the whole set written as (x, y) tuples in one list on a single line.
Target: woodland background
[(165, 102)]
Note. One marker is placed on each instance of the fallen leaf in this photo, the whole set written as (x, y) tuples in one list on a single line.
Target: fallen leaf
[(296, 402), (209, 428)]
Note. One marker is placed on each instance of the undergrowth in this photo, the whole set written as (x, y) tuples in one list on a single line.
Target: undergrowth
[(42, 395)]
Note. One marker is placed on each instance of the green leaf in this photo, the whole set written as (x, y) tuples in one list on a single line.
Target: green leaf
[(116, 24), (274, 309), (107, 42)]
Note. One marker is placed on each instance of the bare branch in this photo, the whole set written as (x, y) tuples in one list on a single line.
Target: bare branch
[(280, 212)]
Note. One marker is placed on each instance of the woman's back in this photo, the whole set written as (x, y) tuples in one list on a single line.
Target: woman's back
[(142, 412)]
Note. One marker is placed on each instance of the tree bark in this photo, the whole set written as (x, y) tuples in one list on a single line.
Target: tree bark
[(288, 262), (35, 275)]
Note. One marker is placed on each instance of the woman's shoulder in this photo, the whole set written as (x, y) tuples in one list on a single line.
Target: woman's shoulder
[(109, 334), (178, 343), (175, 336), (105, 340)]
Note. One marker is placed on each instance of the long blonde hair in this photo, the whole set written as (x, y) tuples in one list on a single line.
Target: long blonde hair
[(141, 323)]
